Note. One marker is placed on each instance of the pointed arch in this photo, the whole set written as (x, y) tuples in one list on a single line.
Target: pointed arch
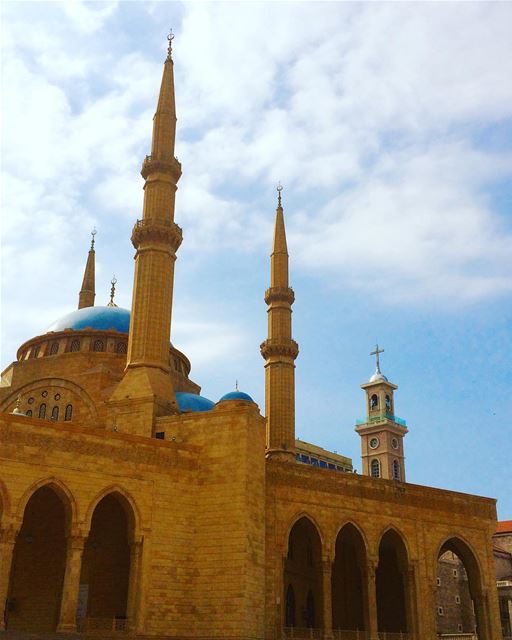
[(403, 538), (359, 530), (312, 520), (349, 579), (464, 559), (126, 500), (62, 491), (392, 583)]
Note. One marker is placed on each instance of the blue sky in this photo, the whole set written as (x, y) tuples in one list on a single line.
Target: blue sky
[(390, 127)]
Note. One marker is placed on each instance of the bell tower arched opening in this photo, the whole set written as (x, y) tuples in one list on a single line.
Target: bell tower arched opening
[(303, 576), (39, 561), (348, 581)]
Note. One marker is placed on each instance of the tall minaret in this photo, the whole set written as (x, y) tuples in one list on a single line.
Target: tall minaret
[(279, 350), (87, 292), (382, 432), (146, 388)]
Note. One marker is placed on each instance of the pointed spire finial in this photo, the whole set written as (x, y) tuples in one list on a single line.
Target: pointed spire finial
[(279, 189), (236, 386), (93, 233), (170, 38), (112, 292)]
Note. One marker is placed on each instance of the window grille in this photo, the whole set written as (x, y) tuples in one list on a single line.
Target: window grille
[(68, 413)]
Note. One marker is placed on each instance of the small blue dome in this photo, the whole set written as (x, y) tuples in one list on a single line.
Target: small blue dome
[(236, 395), (193, 402), (100, 318)]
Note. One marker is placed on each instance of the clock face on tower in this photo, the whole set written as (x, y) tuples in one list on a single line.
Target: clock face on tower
[(374, 443)]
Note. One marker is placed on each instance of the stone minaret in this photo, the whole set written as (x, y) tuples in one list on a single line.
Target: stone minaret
[(87, 292), (146, 390), (279, 350), (382, 432)]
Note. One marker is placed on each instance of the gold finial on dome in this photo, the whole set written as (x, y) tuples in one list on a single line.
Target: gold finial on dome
[(279, 188), (17, 409), (170, 38), (112, 292), (93, 233)]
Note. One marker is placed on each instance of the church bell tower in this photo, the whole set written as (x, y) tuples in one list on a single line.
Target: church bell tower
[(382, 432)]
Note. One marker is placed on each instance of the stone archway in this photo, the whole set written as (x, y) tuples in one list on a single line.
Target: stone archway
[(349, 592), (392, 584), (105, 575), (459, 602), (39, 562), (303, 576)]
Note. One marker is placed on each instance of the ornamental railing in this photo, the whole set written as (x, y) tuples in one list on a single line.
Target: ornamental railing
[(302, 633), (394, 635), (117, 624), (383, 416), (349, 634), (457, 636)]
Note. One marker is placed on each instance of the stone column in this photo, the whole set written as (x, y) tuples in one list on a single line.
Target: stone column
[(371, 589), (7, 542), (327, 597), (134, 582), (67, 620), (411, 600), (280, 592)]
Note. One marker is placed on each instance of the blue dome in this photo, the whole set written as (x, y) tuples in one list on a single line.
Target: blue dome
[(193, 402), (236, 395), (100, 318)]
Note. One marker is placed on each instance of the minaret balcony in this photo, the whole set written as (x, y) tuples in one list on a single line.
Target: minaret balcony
[(171, 166), (161, 231), (382, 417), (273, 347), (279, 294)]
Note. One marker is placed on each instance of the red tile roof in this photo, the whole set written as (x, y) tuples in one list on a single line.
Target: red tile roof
[(505, 526)]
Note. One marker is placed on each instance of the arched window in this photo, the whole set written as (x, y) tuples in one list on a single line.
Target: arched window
[(98, 345), (35, 352), (55, 413), (289, 617), (310, 610), (374, 401), (42, 410), (68, 414), (396, 470), (121, 347), (29, 413), (75, 345), (388, 403), (375, 469), (54, 347)]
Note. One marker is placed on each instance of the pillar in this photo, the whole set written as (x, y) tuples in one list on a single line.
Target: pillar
[(75, 550), (411, 600), (134, 582), (327, 596), (7, 542), (371, 586)]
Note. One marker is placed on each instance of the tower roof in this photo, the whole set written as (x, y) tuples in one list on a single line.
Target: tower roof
[(88, 290)]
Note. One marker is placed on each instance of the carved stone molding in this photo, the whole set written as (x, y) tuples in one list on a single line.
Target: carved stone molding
[(150, 231), (152, 165), (280, 294), (272, 347)]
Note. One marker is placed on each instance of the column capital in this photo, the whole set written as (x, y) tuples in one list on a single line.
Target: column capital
[(9, 534)]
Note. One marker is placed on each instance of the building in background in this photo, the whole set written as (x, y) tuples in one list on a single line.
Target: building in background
[(128, 501), (503, 559)]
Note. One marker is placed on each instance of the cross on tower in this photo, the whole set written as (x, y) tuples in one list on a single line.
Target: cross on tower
[(376, 354)]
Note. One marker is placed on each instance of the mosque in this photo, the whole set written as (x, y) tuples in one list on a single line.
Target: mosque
[(130, 504)]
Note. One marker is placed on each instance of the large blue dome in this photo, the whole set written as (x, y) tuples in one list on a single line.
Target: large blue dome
[(236, 395), (193, 402), (100, 318)]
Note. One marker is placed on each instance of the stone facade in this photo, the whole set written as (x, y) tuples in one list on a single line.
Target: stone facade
[(133, 514)]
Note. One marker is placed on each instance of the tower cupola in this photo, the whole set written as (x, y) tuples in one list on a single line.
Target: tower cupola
[(381, 432)]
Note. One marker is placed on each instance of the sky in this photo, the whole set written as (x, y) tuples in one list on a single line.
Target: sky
[(389, 126)]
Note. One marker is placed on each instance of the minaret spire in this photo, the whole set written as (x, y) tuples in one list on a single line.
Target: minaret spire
[(279, 350), (146, 390), (87, 292)]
